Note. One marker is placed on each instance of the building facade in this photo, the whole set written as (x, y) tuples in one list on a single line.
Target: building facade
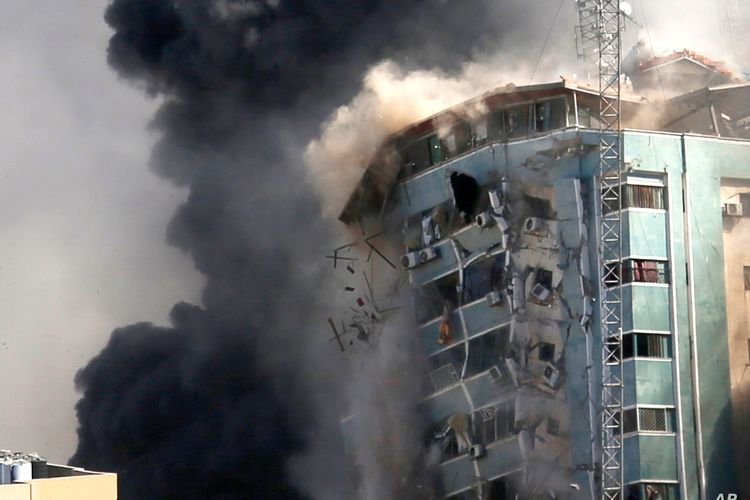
[(496, 205), (30, 477)]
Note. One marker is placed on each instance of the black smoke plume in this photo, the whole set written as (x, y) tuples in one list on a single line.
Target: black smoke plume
[(215, 405)]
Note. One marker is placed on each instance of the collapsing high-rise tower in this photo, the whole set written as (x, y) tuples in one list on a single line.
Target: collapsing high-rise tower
[(498, 206)]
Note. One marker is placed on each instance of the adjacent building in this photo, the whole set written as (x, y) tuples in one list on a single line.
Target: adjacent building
[(29, 477)]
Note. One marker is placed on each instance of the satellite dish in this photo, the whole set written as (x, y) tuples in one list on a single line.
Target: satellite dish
[(626, 8)]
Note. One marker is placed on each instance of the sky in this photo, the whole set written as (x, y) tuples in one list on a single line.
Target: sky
[(83, 217), (82, 245)]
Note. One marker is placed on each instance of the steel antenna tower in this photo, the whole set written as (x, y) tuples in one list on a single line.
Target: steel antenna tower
[(610, 246), (600, 38)]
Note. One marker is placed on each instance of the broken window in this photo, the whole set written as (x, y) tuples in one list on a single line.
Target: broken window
[(453, 436), (546, 352), (484, 277), (646, 345), (416, 157), (465, 194), (636, 271), (648, 420), (651, 491), (494, 423), (517, 121), (430, 300), (637, 196), (487, 350)]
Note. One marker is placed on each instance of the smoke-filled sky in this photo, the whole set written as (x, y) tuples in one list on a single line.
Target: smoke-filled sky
[(107, 218)]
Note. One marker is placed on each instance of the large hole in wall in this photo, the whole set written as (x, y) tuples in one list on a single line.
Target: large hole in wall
[(466, 194)]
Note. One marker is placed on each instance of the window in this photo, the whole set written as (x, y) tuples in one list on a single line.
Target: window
[(458, 140), (646, 345), (415, 157), (431, 300), (651, 491), (648, 420), (546, 352), (629, 421), (746, 274), (487, 350), (636, 271), (494, 423), (483, 277), (636, 196), (549, 115), (517, 121)]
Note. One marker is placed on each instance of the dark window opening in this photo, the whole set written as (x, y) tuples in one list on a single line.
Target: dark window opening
[(517, 121), (646, 345), (629, 420), (484, 277), (547, 352), (651, 491), (487, 350), (415, 157), (637, 271), (466, 194), (431, 300), (494, 422)]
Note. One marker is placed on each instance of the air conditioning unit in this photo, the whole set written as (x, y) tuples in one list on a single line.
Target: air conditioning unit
[(411, 260), (484, 220), (494, 299), (733, 209), (551, 375), (428, 254), (533, 225), (540, 293), (477, 451)]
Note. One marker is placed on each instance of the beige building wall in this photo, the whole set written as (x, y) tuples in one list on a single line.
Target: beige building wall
[(79, 486), (736, 258), (89, 487), (19, 491)]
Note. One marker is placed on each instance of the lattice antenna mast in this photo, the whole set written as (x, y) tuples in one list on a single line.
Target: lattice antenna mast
[(609, 27), (587, 35)]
